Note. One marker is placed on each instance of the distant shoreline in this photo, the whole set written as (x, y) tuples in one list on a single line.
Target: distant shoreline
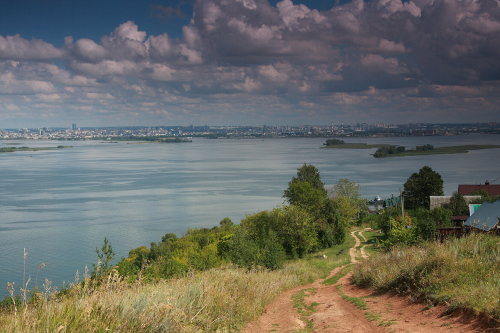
[(357, 146)]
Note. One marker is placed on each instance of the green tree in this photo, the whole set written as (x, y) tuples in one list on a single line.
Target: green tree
[(296, 230), (349, 190), (485, 196), (420, 186), (332, 227), (226, 224), (305, 195), (457, 204), (105, 255), (169, 235), (306, 173)]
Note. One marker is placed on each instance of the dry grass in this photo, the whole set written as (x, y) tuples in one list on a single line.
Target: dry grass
[(463, 273), (218, 300)]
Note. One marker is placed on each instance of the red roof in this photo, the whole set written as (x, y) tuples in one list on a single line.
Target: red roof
[(468, 189)]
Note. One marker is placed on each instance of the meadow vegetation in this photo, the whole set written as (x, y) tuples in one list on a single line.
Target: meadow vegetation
[(217, 299), (460, 272)]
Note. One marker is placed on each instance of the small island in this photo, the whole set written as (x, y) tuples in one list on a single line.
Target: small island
[(341, 144), (160, 140), (428, 149), (387, 150), (14, 149), (147, 139)]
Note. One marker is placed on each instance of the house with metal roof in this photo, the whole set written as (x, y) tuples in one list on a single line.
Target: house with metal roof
[(492, 189), (486, 217)]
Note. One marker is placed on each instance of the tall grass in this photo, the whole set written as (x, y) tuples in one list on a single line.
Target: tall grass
[(463, 273), (215, 300)]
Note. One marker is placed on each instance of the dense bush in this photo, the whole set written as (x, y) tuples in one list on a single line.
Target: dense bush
[(485, 196), (390, 150), (198, 249), (333, 142), (424, 147), (424, 223)]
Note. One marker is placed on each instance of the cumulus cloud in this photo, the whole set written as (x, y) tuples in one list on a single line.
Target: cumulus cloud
[(10, 84), (17, 48), (388, 65), (382, 54), (128, 30)]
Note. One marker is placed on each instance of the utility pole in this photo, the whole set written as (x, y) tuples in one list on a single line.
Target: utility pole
[(392, 202), (402, 205)]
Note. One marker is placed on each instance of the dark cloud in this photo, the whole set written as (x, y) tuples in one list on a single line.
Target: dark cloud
[(165, 13)]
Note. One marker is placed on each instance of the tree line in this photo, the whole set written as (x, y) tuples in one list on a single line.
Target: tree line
[(391, 150)]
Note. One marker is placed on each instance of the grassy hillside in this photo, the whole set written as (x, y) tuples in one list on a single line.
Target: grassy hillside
[(463, 273), (216, 300)]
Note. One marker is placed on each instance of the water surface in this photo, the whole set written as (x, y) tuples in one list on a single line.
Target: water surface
[(60, 205)]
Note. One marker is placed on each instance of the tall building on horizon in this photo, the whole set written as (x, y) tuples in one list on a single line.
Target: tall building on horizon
[(73, 127)]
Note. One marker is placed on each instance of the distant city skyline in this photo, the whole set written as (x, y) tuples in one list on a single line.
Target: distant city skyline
[(74, 126), (255, 62)]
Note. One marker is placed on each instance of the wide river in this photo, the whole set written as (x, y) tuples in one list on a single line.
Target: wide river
[(59, 205)]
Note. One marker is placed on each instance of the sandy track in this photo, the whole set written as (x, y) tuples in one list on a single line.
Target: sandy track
[(389, 313)]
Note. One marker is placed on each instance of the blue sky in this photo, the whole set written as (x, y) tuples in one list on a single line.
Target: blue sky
[(248, 62)]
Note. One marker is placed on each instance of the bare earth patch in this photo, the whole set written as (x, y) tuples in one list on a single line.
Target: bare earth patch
[(332, 313)]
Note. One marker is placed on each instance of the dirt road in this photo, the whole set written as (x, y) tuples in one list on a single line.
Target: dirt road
[(325, 310)]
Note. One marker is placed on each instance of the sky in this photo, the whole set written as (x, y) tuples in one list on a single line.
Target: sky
[(248, 62)]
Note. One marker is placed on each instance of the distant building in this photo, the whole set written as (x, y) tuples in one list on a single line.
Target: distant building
[(468, 189), (439, 201), (424, 132), (73, 127)]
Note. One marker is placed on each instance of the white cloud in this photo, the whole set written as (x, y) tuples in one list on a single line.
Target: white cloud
[(108, 67), (48, 97), (392, 6), (387, 46), (99, 96), (159, 44), (9, 84), (88, 50), (129, 30), (388, 65), (17, 48), (270, 73), (291, 13)]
